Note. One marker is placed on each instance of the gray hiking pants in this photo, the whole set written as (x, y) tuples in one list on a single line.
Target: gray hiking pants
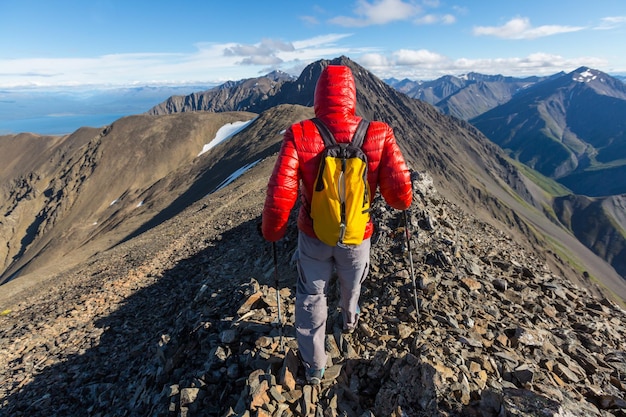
[(316, 261)]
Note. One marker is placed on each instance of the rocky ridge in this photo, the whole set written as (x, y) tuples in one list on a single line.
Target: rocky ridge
[(181, 321), (243, 95)]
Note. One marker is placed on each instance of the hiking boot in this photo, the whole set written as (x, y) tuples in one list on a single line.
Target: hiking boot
[(350, 330), (314, 376)]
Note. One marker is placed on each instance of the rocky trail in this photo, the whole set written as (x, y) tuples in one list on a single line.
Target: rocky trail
[(181, 321)]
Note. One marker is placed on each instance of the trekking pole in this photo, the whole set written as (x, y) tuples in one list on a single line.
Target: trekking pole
[(280, 317), (408, 245)]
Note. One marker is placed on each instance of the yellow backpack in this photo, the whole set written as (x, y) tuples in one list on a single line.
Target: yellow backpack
[(340, 204)]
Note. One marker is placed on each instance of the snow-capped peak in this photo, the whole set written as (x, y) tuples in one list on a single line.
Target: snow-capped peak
[(585, 76)]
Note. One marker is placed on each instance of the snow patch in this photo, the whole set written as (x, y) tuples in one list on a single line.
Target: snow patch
[(113, 202), (232, 177), (225, 132), (585, 76)]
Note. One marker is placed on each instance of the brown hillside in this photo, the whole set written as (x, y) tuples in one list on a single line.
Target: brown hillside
[(83, 192)]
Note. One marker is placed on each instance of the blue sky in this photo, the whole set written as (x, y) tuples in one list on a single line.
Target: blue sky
[(122, 42)]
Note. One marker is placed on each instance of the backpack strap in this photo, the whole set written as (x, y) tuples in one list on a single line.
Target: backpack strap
[(329, 139), (361, 131), (327, 135)]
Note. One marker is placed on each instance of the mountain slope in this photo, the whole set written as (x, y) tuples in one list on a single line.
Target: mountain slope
[(599, 223), (572, 128), (479, 97), (465, 96), (93, 185)]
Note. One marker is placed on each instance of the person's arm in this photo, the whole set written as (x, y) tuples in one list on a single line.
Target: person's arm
[(282, 191), (394, 176)]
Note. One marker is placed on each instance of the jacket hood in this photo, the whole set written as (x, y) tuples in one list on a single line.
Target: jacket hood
[(335, 93)]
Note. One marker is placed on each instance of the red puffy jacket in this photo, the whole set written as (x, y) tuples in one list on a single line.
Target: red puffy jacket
[(300, 154)]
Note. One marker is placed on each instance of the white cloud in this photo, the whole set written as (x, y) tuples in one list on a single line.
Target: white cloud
[(428, 65), (320, 40), (209, 62), (373, 60), (310, 20), (263, 53), (431, 19), (461, 10), (611, 22), (521, 28), (379, 12), (448, 19), (427, 19), (419, 57)]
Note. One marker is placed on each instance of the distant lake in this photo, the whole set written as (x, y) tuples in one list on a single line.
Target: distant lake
[(56, 125), (59, 111)]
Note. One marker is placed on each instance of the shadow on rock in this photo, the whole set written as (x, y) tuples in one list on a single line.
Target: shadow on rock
[(170, 345)]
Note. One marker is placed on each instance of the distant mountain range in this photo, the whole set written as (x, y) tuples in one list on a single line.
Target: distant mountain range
[(571, 128), (465, 96)]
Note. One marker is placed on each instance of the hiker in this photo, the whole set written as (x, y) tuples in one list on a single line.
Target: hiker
[(295, 174)]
